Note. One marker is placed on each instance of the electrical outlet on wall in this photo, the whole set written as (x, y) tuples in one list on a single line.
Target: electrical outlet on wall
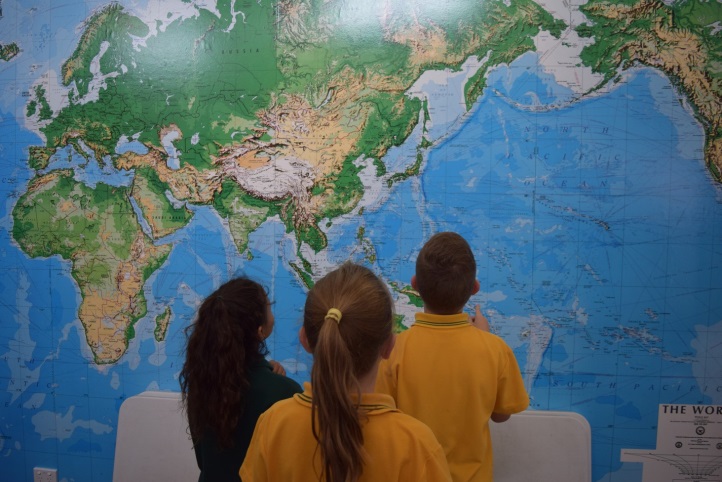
[(45, 475)]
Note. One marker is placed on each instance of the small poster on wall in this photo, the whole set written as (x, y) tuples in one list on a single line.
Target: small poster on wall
[(689, 445)]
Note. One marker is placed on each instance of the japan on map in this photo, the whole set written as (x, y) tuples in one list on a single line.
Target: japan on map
[(151, 150)]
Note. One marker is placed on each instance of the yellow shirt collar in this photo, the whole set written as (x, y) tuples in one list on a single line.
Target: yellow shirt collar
[(371, 403), (441, 321)]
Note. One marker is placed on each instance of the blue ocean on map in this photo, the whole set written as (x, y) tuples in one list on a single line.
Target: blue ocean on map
[(608, 243), (595, 230)]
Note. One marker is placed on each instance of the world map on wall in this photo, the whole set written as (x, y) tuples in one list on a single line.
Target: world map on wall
[(151, 150)]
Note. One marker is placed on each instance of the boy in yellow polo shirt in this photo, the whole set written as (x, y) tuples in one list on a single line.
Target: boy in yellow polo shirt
[(448, 370)]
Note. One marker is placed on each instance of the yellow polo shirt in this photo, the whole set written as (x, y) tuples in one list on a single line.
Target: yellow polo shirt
[(398, 446), (453, 376)]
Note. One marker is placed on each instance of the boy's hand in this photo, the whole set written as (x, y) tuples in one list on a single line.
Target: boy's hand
[(479, 320), (277, 367)]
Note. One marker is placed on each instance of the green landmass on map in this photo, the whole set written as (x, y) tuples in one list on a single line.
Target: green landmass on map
[(162, 216), (161, 324), (39, 104), (399, 324), (39, 157), (272, 111), (681, 40), (110, 257), (171, 76), (244, 212), (410, 293), (9, 51)]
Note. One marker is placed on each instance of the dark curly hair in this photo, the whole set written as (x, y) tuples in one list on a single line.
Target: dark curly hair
[(221, 345)]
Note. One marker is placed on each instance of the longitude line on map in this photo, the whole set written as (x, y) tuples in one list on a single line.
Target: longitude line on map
[(534, 226), (625, 142), (667, 280)]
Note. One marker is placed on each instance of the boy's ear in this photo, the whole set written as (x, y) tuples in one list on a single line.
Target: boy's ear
[(413, 283), (388, 347), (477, 287), (304, 340)]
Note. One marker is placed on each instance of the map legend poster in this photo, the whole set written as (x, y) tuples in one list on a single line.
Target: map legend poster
[(689, 445)]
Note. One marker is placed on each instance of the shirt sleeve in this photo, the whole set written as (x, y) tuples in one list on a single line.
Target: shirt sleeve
[(254, 465), (511, 396), (436, 468)]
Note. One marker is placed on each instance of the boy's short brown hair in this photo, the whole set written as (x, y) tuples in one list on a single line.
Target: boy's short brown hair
[(445, 273)]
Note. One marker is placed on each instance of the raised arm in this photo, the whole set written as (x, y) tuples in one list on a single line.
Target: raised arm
[(479, 320)]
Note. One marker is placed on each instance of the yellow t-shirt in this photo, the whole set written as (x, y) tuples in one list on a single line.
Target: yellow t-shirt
[(453, 376), (398, 446)]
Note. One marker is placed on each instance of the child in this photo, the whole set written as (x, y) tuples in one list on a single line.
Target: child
[(338, 430), (446, 372), (226, 383)]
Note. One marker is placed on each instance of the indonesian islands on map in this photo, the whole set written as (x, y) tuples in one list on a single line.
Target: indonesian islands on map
[(151, 150)]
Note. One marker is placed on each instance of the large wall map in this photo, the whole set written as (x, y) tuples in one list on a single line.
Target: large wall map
[(150, 150)]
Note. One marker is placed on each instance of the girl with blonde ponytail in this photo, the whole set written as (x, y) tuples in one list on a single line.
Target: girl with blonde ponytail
[(338, 429)]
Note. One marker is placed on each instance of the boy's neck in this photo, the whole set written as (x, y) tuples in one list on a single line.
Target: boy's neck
[(431, 312)]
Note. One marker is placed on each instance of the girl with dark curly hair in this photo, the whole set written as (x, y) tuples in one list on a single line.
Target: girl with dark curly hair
[(226, 382)]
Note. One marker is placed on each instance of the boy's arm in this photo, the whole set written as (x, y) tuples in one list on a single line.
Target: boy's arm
[(511, 394), (479, 320)]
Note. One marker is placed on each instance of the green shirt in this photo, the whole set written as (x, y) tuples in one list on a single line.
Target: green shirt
[(266, 388)]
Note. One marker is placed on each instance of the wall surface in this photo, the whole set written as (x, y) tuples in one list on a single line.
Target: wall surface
[(152, 444), (151, 150)]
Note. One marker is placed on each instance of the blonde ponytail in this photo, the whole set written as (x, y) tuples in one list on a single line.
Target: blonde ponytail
[(347, 319), (335, 422)]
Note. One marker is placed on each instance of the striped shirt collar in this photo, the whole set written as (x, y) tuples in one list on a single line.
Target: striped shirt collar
[(371, 403), (442, 321)]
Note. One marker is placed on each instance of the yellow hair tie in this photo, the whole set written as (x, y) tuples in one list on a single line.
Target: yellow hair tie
[(334, 314)]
